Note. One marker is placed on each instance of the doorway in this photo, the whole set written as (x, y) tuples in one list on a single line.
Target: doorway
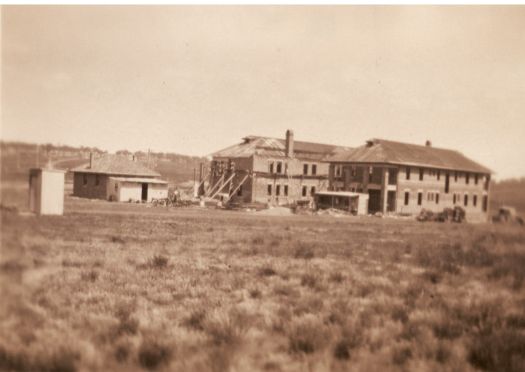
[(144, 192), (374, 201), (391, 201)]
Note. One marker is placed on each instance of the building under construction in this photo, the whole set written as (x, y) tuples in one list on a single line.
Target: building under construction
[(268, 170)]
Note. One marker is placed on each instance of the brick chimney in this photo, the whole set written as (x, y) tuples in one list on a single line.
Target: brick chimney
[(289, 143)]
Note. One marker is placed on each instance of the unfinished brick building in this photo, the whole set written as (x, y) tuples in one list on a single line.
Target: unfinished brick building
[(406, 178), (270, 170)]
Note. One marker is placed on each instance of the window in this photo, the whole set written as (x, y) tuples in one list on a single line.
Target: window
[(304, 190), (239, 191), (455, 176), (286, 168), (116, 186), (475, 200), (305, 169), (419, 198), (271, 167), (354, 171), (408, 173), (370, 173), (97, 180), (429, 196), (485, 203), (279, 167), (465, 200), (285, 190), (278, 190), (84, 179), (454, 198), (312, 190), (437, 198), (421, 173), (438, 174), (467, 178), (407, 197), (337, 171), (476, 179), (269, 190), (314, 169)]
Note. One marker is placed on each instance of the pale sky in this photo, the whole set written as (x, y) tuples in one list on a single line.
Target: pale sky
[(193, 80)]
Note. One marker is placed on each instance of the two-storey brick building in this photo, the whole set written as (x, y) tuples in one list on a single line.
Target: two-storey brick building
[(270, 170), (405, 178)]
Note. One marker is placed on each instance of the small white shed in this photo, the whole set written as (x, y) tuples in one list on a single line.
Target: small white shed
[(46, 191)]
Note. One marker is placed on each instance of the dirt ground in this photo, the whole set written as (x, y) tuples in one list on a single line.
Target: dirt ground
[(129, 287)]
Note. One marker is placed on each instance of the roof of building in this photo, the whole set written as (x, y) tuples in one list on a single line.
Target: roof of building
[(116, 165), (276, 147), (139, 180), (390, 152)]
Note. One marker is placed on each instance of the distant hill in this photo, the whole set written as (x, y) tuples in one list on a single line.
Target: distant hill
[(509, 192), (17, 158)]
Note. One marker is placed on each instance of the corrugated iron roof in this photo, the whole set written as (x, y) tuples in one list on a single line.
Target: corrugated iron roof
[(139, 180), (275, 147), (116, 165), (391, 152)]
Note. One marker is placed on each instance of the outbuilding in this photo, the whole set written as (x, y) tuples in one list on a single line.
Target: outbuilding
[(118, 178), (46, 191)]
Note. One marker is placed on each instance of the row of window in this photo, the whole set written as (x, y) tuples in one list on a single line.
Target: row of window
[(437, 173), (456, 199), (284, 188), (279, 167)]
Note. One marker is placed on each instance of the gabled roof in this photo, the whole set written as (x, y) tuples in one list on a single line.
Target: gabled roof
[(116, 165), (390, 152), (276, 147)]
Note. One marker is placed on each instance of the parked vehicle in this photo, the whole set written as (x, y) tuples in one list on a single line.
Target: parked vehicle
[(507, 214)]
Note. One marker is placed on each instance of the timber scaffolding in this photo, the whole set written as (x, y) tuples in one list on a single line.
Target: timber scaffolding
[(214, 182)]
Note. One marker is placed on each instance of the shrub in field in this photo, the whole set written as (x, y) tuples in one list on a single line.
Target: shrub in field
[(90, 276), (401, 354), (501, 350), (255, 293), (196, 320), (227, 329), (337, 277), (153, 354), (267, 271), (307, 335), (311, 280), (159, 261)]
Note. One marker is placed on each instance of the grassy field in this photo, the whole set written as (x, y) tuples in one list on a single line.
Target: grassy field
[(129, 287)]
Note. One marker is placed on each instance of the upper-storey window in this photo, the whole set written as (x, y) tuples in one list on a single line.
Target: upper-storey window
[(314, 169), (354, 171), (279, 167), (305, 169), (455, 176), (84, 179), (421, 173), (97, 180), (476, 179), (408, 173), (467, 178), (270, 167), (438, 174), (370, 173)]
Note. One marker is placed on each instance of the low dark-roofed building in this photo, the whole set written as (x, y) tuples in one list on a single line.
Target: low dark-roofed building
[(119, 178)]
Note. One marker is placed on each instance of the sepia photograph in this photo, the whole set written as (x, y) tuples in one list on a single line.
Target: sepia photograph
[(250, 187)]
